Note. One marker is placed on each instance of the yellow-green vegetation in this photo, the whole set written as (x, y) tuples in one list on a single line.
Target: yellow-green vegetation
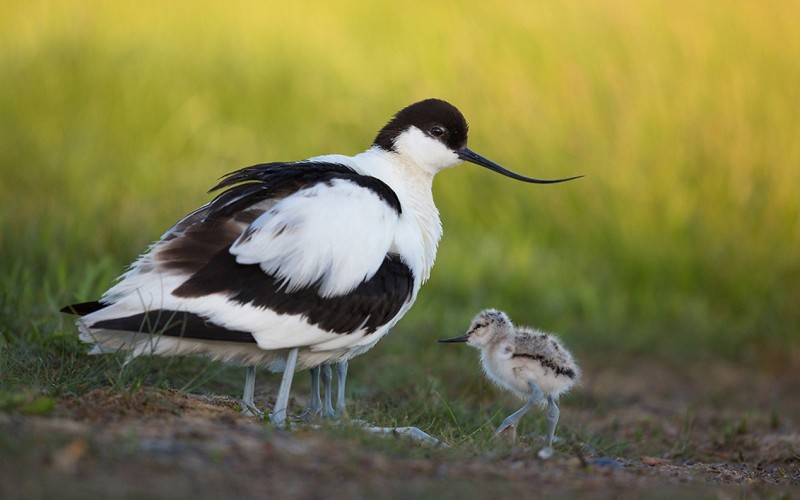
[(675, 259), (116, 117)]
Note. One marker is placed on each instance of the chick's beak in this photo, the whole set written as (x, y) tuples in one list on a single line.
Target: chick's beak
[(460, 338)]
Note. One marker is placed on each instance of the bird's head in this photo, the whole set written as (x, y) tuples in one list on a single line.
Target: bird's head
[(488, 327), (433, 134)]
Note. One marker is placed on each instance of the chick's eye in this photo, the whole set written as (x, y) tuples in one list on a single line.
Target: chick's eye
[(437, 131)]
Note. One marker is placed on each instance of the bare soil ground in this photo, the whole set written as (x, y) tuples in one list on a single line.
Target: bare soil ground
[(714, 429)]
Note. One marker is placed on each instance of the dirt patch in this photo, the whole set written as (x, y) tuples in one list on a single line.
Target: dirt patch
[(641, 428)]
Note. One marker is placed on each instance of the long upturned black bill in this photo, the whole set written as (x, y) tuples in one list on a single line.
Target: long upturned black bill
[(460, 338), (467, 154)]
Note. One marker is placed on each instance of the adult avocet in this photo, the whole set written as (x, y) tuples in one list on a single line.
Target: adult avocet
[(293, 264)]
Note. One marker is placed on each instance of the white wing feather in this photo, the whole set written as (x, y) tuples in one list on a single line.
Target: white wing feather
[(337, 234)]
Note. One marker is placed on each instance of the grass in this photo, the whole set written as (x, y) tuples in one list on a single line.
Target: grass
[(681, 240)]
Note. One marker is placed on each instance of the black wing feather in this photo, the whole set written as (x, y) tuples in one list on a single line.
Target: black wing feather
[(83, 308), (251, 185), (370, 305), (174, 324)]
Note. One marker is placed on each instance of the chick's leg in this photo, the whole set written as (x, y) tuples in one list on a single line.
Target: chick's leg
[(509, 425), (552, 420)]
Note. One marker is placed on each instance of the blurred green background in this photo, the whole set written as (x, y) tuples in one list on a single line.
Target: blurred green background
[(683, 238)]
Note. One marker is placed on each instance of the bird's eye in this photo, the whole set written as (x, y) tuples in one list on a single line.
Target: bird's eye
[(437, 131)]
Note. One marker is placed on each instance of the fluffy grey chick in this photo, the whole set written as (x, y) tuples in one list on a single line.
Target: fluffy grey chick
[(532, 364)]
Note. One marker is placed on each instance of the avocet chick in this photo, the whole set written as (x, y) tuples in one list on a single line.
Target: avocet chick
[(532, 364)]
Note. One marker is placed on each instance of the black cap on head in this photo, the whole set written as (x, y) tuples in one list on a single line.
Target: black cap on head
[(437, 118)]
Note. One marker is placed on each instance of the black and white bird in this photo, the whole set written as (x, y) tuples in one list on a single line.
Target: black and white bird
[(293, 264), (533, 365)]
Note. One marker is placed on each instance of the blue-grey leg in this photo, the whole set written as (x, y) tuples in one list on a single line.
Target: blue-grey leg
[(341, 375), (552, 420), (315, 405), (248, 406), (327, 377), (510, 423), (278, 416)]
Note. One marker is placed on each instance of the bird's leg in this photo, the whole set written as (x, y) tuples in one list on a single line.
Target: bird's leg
[(510, 423), (341, 376), (248, 407), (278, 416), (412, 432), (552, 420), (315, 403), (327, 377)]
